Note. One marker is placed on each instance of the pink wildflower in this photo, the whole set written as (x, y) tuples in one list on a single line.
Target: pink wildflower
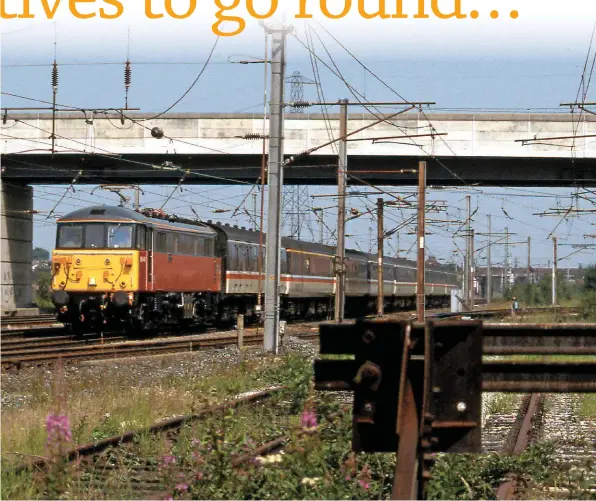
[(169, 498), (195, 442), (308, 419), (58, 429), (363, 483), (168, 461), (181, 487)]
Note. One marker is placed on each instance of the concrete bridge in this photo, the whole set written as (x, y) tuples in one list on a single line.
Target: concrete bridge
[(477, 149)]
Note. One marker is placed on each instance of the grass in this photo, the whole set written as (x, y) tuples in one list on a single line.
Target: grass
[(318, 465), (103, 406), (587, 408), (503, 403)]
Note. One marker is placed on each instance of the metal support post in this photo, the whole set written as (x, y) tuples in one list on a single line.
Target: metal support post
[(254, 212), (380, 244), (137, 198), (554, 278), (342, 167), (489, 271), (420, 282), (529, 260), (240, 328), (275, 182), (472, 270), (506, 267), (467, 256)]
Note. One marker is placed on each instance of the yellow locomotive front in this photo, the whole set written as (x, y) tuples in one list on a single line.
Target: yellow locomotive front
[(95, 268)]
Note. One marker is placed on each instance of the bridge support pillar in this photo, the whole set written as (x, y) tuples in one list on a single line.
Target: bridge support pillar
[(16, 226)]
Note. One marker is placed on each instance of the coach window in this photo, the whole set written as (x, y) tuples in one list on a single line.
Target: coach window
[(94, 236), (236, 254), (240, 251), (232, 256), (253, 258), (284, 262)]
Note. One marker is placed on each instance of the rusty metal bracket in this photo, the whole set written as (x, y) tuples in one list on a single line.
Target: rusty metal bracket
[(418, 387)]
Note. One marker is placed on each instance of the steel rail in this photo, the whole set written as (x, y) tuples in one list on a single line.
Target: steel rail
[(165, 425), (523, 435)]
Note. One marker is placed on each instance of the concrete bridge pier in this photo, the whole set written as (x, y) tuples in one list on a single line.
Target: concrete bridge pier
[(16, 226)]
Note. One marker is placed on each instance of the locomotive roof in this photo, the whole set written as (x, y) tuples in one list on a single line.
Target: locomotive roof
[(121, 214)]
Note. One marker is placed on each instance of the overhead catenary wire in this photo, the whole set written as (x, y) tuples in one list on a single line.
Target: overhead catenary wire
[(192, 85)]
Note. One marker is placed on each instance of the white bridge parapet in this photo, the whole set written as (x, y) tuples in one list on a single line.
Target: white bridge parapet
[(468, 135)]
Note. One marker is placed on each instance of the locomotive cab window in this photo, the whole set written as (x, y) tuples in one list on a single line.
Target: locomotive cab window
[(70, 237), (119, 236), (94, 236)]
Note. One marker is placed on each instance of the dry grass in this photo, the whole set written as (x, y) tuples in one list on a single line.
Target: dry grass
[(587, 408), (103, 406), (503, 403)]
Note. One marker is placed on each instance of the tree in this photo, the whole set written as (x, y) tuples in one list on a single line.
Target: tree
[(40, 254), (44, 283), (590, 278)]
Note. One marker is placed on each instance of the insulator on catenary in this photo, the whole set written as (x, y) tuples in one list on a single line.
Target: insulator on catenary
[(127, 75), (252, 136), (55, 75), (300, 104)]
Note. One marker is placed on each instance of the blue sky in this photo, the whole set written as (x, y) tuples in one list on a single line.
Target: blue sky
[(534, 62)]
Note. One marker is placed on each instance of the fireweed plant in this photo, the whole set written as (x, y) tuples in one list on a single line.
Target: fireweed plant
[(315, 463)]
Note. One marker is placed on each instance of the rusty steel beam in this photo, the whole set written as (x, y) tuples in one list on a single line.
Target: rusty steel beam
[(500, 376), (534, 377), (498, 339), (539, 339)]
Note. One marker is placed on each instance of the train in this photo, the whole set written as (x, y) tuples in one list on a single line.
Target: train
[(118, 268)]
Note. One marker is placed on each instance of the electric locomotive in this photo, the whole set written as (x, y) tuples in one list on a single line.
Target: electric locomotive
[(118, 268)]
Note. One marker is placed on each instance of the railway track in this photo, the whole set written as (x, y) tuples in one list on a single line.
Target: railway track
[(10, 323), (18, 358), (118, 464), (544, 417), (32, 348), (505, 312), (94, 453)]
